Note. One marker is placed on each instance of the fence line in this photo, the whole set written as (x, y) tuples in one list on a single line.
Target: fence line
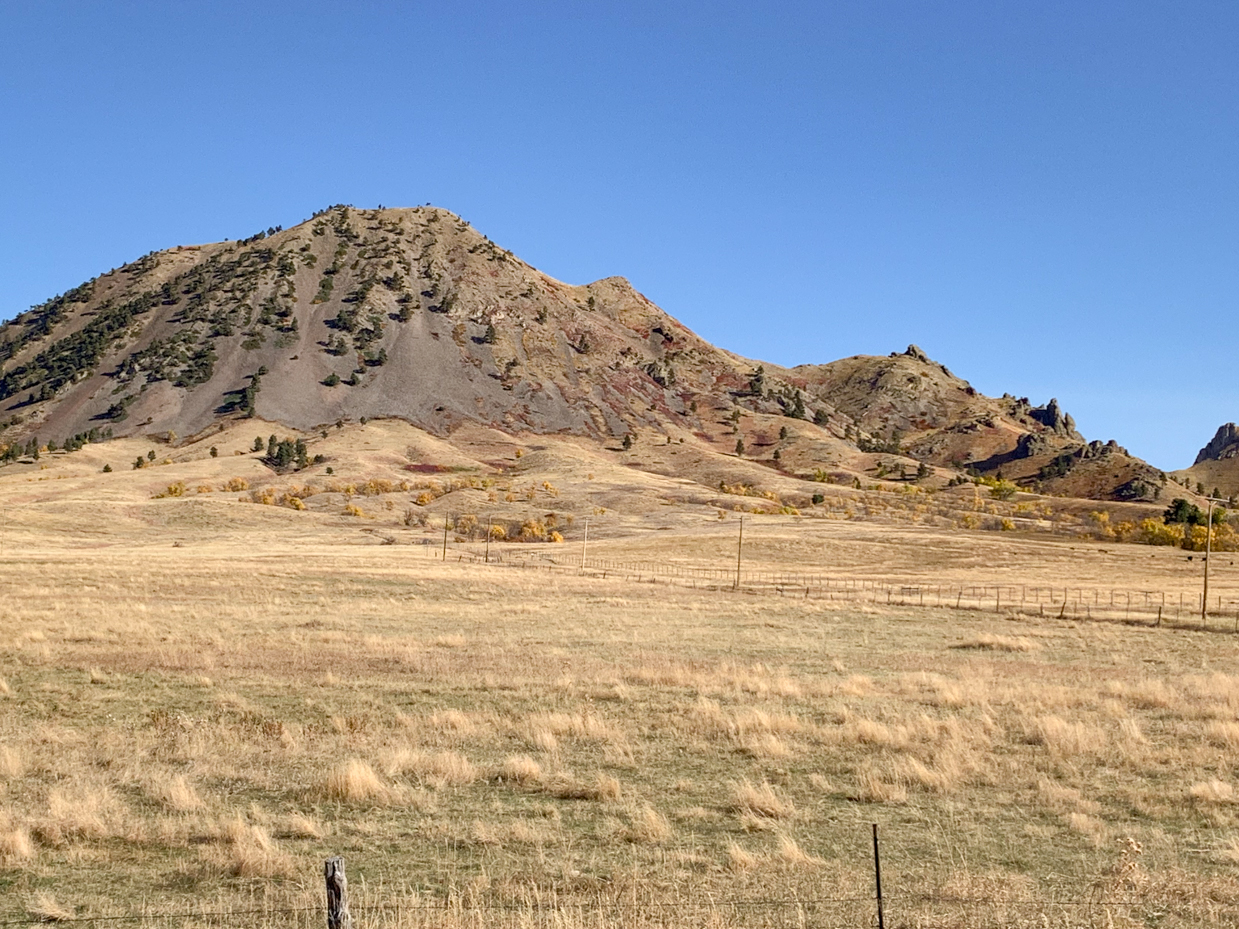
[(1076, 602), (779, 912)]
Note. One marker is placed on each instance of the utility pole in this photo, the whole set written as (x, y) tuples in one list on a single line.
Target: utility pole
[(1204, 600), (487, 557), (739, 550), (584, 544), (446, 520)]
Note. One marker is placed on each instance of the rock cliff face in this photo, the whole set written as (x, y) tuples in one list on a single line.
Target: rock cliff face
[(1217, 464), (1224, 444), (414, 314)]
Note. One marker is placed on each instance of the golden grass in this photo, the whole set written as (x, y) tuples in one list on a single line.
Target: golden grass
[(1063, 739), (300, 826), (1213, 791), (760, 800), (45, 908), (648, 826), (434, 769), (248, 851), (1222, 734), (739, 858), (12, 762), (500, 733), (16, 846), (791, 854), (176, 793), (874, 787), (521, 769), (81, 811), (355, 782)]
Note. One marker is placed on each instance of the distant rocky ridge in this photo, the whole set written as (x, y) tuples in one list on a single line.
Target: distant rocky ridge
[(413, 314), (1224, 444), (1217, 465)]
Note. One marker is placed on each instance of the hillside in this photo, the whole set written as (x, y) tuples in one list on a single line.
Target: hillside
[(412, 314), (1217, 464)]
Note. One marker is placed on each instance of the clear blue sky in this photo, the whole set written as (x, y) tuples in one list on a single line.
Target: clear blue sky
[(1042, 195)]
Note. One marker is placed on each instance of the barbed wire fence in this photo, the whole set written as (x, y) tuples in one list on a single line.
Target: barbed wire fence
[(1185, 903), (1178, 609)]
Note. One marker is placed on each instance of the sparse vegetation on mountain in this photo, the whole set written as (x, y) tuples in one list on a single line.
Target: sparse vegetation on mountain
[(423, 303)]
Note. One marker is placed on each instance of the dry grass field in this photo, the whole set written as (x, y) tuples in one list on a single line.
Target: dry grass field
[(199, 726), (201, 699)]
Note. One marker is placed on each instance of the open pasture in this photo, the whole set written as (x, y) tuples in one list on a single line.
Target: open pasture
[(196, 726)]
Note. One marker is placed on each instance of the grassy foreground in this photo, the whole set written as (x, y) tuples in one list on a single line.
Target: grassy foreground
[(197, 727)]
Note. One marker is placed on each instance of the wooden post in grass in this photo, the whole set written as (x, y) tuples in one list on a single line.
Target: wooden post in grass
[(739, 550), (877, 877), (337, 894), (1204, 598)]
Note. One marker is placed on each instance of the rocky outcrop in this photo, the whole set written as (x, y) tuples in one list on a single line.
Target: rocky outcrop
[(1224, 444), (1031, 444), (1053, 418)]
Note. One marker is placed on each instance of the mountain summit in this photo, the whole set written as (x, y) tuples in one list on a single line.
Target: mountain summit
[(414, 314), (1224, 444)]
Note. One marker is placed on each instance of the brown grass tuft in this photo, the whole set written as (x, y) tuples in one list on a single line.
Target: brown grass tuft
[(1213, 791), (15, 844), (1000, 643), (300, 826), (647, 826), (1224, 734), (355, 782), (521, 769), (177, 794), (795, 856), (45, 909), (766, 745), (873, 788), (81, 812), (452, 721), (1087, 825), (1063, 739), (759, 800), (437, 770), (12, 763), (739, 858), (249, 851), (603, 788)]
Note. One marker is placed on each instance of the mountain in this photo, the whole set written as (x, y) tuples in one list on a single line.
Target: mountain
[(415, 315), (1217, 464)]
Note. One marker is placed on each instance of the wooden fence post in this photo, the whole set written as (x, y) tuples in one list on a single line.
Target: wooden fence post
[(337, 894), (877, 878)]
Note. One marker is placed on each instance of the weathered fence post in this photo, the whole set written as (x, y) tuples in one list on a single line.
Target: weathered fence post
[(337, 894), (877, 878)]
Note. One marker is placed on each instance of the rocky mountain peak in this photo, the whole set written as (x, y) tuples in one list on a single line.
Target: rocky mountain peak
[(1224, 444)]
